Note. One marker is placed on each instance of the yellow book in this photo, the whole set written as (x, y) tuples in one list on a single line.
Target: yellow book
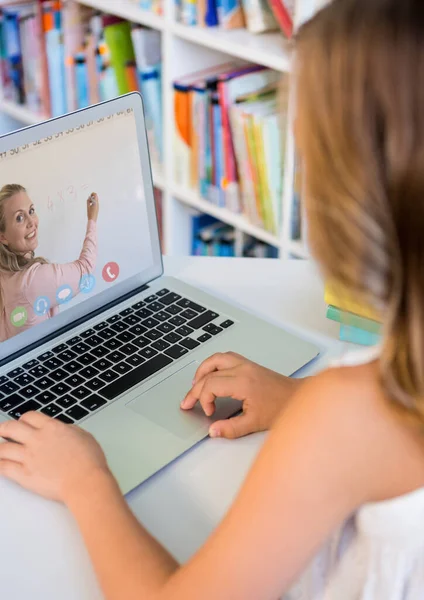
[(336, 297)]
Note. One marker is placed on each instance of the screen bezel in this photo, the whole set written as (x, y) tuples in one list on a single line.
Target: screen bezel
[(49, 329)]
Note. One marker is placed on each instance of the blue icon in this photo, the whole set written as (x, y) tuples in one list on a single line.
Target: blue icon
[(63, 294), (87, 283), (41, 306)]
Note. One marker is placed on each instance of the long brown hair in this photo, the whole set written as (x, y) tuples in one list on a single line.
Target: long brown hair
[(360, 88)]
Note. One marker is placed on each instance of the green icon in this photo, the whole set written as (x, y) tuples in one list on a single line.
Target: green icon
[(19, 316)]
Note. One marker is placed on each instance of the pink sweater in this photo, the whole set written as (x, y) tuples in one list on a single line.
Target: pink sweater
[(23, 288)]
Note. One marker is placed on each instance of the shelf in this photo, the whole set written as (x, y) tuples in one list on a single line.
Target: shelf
[(297, 248), (192, 199), (268, 49), (128, 10), (20, 113)]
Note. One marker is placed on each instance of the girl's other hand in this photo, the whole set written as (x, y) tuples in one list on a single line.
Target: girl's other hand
[(48, 457), (93, 207), (262, 391)]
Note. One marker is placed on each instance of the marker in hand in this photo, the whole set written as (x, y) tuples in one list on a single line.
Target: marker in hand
[(92, 199)]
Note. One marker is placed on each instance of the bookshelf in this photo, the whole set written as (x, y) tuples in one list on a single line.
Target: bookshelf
[(187, 49)]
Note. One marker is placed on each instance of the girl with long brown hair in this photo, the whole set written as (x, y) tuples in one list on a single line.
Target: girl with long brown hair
[(333, 508)]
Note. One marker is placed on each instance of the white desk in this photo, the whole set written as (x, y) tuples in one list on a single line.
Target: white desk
[(41, 553)]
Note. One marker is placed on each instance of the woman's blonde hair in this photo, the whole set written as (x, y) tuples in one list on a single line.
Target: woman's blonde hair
[(9, 260), (360, 86)]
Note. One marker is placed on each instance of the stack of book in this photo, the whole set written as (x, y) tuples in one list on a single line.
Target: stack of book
[(211, 237), (257, 16), (57, 57), (358, 325), (230, 125)]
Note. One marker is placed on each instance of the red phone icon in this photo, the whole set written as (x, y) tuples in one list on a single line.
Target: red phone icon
[(110, 272)]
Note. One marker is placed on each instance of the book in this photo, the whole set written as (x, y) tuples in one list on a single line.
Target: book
[(354, 335), (118, 39), (283, 16), (347, 318), (339, 298), (231, 14), (259, 16)]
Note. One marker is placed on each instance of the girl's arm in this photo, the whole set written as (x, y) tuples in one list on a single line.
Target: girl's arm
[(45, 280), (330, 451)]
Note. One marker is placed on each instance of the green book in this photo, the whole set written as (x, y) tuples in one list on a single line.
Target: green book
[(118, 39), (347, 318)]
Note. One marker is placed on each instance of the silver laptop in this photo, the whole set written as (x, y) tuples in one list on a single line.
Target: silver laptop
[(91, 331)]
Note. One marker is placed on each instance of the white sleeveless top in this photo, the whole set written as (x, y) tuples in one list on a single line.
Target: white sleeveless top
[(378, 554)]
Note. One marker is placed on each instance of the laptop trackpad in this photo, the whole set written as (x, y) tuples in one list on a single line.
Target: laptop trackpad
[(161, 405)]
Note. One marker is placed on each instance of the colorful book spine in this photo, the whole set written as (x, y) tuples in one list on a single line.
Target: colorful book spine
[(118, 39), (211, 14), (354, 335), (335, 296), (282, 16), (346, 318), (231, 15), (81, 78), (259, 17)]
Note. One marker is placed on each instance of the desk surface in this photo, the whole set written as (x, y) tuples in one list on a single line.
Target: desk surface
[(42, 556)]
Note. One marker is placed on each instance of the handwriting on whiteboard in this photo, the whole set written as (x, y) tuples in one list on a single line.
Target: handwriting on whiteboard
[(70, 194)]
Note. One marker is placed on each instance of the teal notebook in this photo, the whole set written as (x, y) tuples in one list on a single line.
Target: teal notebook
[(347, 318), (348, 333)]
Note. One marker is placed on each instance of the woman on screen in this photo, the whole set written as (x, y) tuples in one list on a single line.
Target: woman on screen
[(31, 288)]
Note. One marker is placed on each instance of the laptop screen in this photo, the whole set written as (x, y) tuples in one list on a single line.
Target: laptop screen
[(75, 229)]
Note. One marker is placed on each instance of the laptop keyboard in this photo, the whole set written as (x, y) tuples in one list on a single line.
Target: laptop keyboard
[(83, 374)]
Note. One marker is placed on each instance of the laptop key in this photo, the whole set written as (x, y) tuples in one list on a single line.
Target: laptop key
[(189, 313), (9, 388), (51, 410), (94, 341), (189, 343), (100, 326), (131, 320), (3, 379), (177, 321), (45, 356), (30, 364), (87, 359), (66, 401), (162, 292), (106, 334), (109, 376), (122, 368), (38, 371), (170, 298), (75, 380), (126, 312), (116, 356), (89, 372), (144, 313), (24, 379), (162, 316), (44, 383), (165, 327), (213, 329), (45, 397), (15, 372), (184, 330), (138, 305), (60, 348), (94, 384), (137, 330), (29, 392), (112, 344), (204, 338), (154, 334), (202, 319), (151, 298), (53, 363), (102, 364), (64, 419), (135, 376), (125, 337), (60, 388), (141, 342), (88, 333), (155, 306), (172, 338), (148, 352), (100, 351), (135, 360), (10, 402), (186, 303), (77, 412), (129, 349), (174, 309), (74, 340), (59, 374), (176, 351), (72, 367), (17, 413), (67, 355), (93, 402), (113, 319), (119, 326), (80, 348), (160, 345), (80, 393), (227, 324)]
